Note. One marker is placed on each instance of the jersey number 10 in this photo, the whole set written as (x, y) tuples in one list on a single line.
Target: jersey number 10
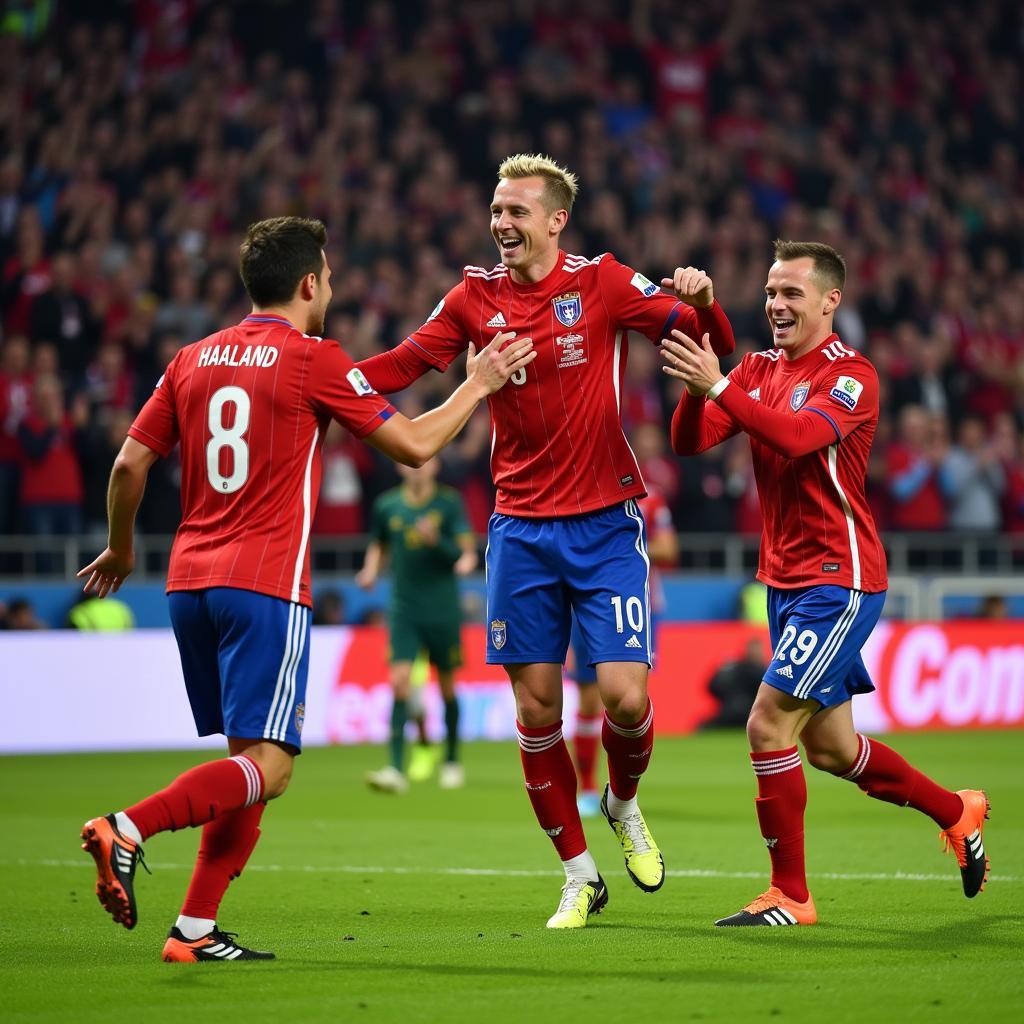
[(232, 437)]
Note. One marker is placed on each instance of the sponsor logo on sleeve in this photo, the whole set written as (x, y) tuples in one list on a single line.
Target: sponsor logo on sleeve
[(568, 308), (645, 287), (360, 385), (799, 395), (847, 392), (437, 309)]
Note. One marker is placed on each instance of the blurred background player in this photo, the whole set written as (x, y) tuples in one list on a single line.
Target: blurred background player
[(422, 529), (250, 406), (810, 407), (663, 551), (566, 536)]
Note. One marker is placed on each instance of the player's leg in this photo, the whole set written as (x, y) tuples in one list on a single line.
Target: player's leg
[(424, 755), (391, 778), (453, 775), (833, 745), (605, 563), (551, 787), (225, 638), (264, 666), (226, 845), (529, 617), (589, 716)]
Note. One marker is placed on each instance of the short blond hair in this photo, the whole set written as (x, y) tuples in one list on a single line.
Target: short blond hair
[(560, 184)]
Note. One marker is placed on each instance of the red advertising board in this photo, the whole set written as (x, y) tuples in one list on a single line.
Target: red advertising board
[(928, 676)]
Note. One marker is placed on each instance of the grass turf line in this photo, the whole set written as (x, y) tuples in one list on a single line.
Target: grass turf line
[(409, 943)]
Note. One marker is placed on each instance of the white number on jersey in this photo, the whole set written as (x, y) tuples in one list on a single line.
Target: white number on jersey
[(228, 437), (634, 614)]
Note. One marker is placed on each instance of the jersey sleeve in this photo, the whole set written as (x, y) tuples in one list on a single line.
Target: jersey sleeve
[(846, 396), (699, 424), (443, 336), (636, 303), (338, 388), (640, 305), (156, 425)]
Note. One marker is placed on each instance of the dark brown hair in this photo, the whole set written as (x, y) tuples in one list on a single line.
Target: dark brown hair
[(829, 266), (277, 254)]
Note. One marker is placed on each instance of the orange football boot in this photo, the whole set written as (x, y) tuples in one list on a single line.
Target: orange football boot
[(116, 858), (965, 839), (215, 946), (773, 908)]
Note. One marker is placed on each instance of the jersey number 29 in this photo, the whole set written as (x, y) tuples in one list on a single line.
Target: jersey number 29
[(232, 437)]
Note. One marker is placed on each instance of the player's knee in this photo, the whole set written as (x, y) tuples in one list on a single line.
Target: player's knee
[(536, 710), (826, 760), (763, 732), (276, 779), (628, 707)]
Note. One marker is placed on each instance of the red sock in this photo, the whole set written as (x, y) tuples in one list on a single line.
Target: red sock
[(883, 774), (551, 786), (629, 750), (585, 748), (781, 802), (227, 842), (200, 795)]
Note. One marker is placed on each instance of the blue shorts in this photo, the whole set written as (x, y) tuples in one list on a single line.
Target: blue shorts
[(817, 634), (585, 673), (245, 658), (541, 571)]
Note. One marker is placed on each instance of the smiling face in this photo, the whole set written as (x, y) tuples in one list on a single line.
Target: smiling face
[(798, 309), (524, 229)]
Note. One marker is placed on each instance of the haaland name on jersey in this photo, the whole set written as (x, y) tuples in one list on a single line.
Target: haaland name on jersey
[(227, 355)]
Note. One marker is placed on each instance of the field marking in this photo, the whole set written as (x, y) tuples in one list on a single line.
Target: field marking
[(352, 869)]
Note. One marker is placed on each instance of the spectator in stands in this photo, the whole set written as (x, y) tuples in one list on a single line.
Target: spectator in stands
[(62, 316), (993, 606), (18, 613), (329, 608), (51, 478), (973, 480), (15, 400), (914, 459), (734, 685), (92, 614)]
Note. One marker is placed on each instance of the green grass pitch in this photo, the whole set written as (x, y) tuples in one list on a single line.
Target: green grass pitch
[(431, 907)]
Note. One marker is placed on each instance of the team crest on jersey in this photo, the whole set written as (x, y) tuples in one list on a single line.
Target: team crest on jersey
[(799, 395), (300, 717), (499, 633), (568, 308)]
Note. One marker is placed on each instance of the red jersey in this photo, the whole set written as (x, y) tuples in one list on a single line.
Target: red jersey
[(557, 444), (818, 527), (251, 405)]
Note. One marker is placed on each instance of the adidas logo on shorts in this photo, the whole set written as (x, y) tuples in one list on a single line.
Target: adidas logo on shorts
[(633, 642), (786, 670)]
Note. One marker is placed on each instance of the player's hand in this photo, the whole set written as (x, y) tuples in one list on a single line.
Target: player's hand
[(695, 365), (492, 366), (365, 579), (691, 286), (107, 573), (465, 563)]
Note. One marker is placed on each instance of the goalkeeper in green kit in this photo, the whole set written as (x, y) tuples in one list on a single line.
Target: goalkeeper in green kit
[(422, 528)]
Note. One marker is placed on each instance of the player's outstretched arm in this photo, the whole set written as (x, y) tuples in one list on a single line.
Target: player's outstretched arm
[(413, 442), (395, 369), (124, 495)]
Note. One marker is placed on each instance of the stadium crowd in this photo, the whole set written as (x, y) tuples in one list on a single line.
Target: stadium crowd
[(141, 138)]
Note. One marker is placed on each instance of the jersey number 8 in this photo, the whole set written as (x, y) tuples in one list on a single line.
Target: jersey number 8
[(228, 437)]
